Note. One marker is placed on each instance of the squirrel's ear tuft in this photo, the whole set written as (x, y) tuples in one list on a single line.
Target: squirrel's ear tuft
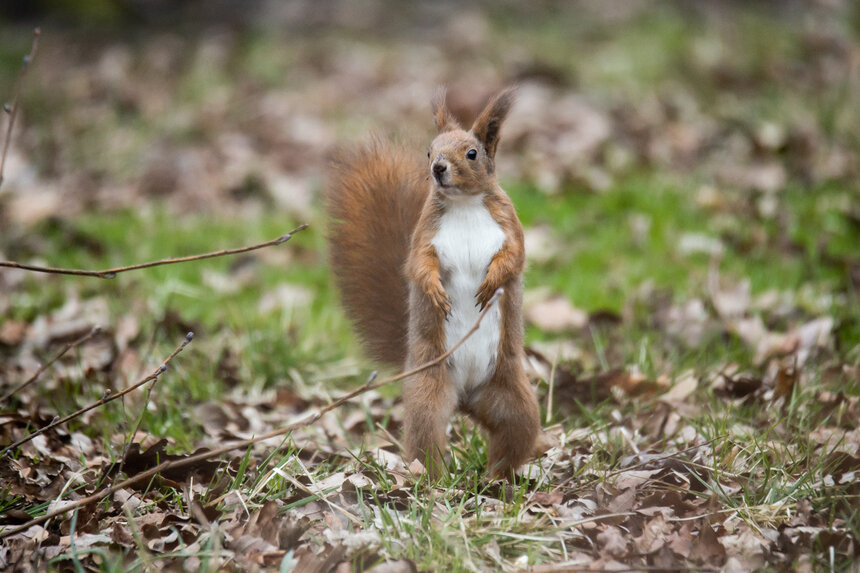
[(488, 125), (444, 120)]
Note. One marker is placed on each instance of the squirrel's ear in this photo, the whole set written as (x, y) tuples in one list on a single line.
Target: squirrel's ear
[(488, 125), (444, 120)]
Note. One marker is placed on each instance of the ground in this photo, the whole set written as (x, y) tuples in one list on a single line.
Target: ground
[(688, 179)]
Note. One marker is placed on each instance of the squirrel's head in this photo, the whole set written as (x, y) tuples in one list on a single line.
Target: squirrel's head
[(463, 162)]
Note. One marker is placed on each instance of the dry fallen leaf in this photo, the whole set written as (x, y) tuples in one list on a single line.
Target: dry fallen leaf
[(747, 548), (12, 332), (653, 536), (698, 243), (285, 297), (556, 314), (547, 498), (541, 244), (632, 479), (708, 550), (732, 302), (612, 542), (683, 387), (398, 566)]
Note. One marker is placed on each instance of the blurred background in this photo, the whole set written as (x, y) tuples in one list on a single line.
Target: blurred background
[(687, 174)]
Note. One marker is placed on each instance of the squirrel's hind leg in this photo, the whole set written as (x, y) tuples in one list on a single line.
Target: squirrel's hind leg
[(429, 402), (429, 399), (507, 407)]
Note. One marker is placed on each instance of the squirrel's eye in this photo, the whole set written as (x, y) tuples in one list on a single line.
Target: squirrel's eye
[(472, 154), (428, 155)]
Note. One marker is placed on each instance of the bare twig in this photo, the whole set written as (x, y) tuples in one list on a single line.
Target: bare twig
[(134, 430), (95, 330), (306, 421), (13, 109), (107, 397), (111, 273)]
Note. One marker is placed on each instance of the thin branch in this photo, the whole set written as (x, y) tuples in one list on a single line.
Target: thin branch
[(13, 109), (306, 421), (107, 397), (137, 424), (111, 273), (95, 330)]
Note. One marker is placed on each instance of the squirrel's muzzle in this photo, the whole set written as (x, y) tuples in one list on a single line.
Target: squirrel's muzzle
[(439, 169)]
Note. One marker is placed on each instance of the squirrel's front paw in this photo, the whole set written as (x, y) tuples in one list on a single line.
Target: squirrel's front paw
[(485, 293), (438, 297)]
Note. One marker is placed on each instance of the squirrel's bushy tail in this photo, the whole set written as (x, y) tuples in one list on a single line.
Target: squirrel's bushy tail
[(374, 197)]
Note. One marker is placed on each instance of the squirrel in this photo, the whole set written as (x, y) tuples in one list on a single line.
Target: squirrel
[(418, 248)]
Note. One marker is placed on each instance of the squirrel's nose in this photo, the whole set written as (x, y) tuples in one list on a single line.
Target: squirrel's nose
[(439, 168)]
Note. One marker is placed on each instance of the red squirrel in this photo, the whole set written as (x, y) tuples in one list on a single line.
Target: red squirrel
[(418, 248)]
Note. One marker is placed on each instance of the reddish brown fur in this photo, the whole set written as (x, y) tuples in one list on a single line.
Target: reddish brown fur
[(374, 195), (510, 261), (422, 266), (442, 117), (376, 297)]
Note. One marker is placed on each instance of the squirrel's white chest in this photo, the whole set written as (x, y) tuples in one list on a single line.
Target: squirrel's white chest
[(466, 242)]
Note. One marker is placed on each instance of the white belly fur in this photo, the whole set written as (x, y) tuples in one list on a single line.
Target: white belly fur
[(468, 238)]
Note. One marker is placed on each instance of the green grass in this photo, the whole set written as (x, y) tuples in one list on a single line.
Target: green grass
[(601, 260), (600, 266), (268, 345)]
